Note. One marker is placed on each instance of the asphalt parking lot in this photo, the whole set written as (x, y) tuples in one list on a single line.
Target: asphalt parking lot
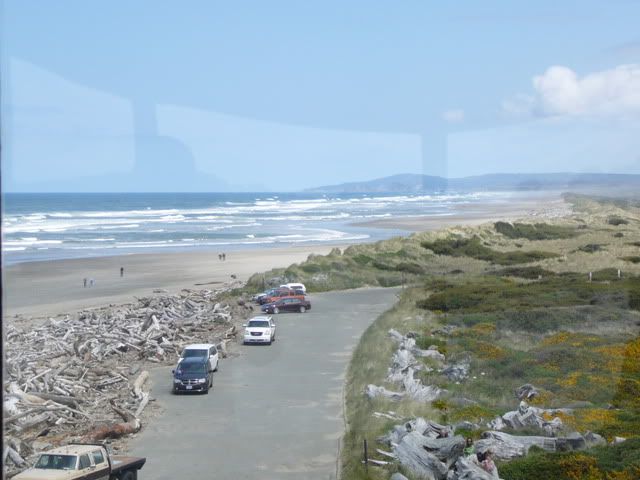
[(274, 412)]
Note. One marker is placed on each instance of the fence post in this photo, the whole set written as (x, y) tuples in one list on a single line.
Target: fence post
[(366, 456)]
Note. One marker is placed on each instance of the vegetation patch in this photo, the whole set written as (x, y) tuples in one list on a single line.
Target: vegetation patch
[(615, 220), (473, 247), (632, 259), (495, 294), (531, 273), (617, 462), (591, 248), (537, 231)]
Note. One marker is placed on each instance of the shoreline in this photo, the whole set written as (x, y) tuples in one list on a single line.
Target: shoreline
[(544, 206), (54, 287)]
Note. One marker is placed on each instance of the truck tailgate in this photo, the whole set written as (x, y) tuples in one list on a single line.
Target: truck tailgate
[(119, 463)]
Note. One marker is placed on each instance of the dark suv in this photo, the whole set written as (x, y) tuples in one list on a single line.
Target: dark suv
[(193, 374)]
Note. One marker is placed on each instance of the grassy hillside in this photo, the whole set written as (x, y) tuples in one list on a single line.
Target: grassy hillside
[(522, 303)]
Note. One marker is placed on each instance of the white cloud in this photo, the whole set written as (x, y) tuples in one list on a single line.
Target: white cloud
[(561, 92), (453, 116)]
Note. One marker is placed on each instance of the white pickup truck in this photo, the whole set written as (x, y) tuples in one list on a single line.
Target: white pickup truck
[(82, 461)]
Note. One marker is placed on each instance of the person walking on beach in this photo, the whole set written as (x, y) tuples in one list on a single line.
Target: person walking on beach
[(91, 282), (224, 257), (84, 281), (220, 256), (122, 271)]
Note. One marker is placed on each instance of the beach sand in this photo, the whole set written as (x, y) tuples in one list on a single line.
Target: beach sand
[(50, 288), (55, 287), (525, 205)]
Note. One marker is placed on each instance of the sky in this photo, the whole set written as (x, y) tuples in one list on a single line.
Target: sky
[(287, 95)]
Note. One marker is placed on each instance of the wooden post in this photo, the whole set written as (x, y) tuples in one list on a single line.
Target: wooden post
[(619, 274), (590, 276), (366, 456)]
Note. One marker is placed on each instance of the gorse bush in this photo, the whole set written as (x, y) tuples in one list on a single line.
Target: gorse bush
[(617, 462), (538, 231)]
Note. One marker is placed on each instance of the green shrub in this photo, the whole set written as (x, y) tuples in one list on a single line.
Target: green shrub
[(591, 248), (632, 259), (410, 267), (531, 273), (618, 235), (538, 231), (382, 265), (620, 461), (311, 268), (495, 294), (615, 220), (472, 247), (362, 259)]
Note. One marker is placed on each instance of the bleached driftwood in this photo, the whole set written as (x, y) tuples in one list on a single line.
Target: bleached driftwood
[(138, 384), (61, 372)]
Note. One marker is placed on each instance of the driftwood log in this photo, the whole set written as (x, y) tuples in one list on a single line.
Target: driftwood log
[(79, 375)]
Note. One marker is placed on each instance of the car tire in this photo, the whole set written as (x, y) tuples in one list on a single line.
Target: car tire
[(217, 365), (129, 475), (302, 309), (276, 310)]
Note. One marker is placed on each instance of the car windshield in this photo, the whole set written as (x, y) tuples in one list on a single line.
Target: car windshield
[(259, 323), (191, 368), (56, 462), (194, 353)]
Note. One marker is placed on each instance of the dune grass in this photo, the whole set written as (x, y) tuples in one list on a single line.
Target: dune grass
[(515, 301), (535, 231)]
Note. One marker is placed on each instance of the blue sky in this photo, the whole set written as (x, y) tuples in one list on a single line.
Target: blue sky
[(174, 96)]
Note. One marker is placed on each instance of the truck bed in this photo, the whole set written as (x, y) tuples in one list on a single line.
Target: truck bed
[(120, 463)]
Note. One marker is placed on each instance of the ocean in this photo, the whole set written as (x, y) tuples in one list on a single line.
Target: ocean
[(49, 226)]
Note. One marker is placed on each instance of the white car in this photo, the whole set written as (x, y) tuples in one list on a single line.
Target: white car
[(202, 350), (260, 330), (295, 286)]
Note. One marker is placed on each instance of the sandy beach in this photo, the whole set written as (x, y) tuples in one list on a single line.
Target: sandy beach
[(531, 205), (55, 287)]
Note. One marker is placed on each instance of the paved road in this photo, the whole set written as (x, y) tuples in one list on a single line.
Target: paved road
[(275, 412)]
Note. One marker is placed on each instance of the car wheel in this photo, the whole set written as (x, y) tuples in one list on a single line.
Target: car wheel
[(129, 475), (217, 365), (302, 309), (276, 310)]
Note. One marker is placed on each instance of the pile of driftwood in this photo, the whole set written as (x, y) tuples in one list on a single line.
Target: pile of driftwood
[(403, 366), (430, 450), (82, 377)]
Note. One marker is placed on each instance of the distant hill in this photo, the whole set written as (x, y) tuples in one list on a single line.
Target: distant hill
[(416, 183)]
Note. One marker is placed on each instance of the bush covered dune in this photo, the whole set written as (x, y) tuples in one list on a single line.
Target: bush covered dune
[(517, 302)]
